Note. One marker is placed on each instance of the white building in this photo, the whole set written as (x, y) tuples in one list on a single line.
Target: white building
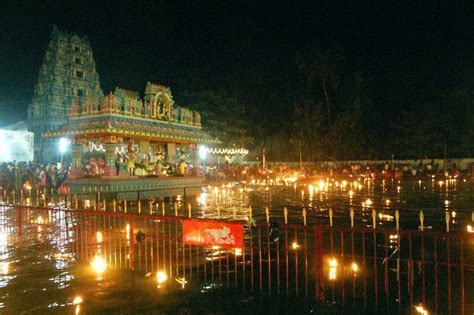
[(16, 143)]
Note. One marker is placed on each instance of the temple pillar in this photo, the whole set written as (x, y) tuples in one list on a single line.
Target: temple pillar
[(110, 168), (76, 163), (195, 160), (171, 149)]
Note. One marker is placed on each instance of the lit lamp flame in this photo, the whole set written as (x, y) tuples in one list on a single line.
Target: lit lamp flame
[(421, 310), (77, 300), (99, 266), (295, 245), (469, 229), (332, 269), (99, 237), (354, 267), (161, 278), (127, 231), (40, 220), (4, 267)]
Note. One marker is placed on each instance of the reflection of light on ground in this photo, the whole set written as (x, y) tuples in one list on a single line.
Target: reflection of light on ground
[(63, 280)]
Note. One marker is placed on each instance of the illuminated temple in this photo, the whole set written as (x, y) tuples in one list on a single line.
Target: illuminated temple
[(122, 136)]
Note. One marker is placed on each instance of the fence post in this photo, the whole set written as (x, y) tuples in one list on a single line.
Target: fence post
[(132, 243), (447, 217), (422, 219), (318, 258), (19, 219)]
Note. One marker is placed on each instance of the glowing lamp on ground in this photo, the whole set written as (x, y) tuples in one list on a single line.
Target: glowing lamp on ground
[(77, 300), (161, 277), (469, 229), (4, 268), (99, 266), (99, 237), (332, 269), (421, 310), (295, 245), (354, 267)]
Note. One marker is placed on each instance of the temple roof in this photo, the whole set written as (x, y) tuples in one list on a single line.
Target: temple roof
[(131, 127)]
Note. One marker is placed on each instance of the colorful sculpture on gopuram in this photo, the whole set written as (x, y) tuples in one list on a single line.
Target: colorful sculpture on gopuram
[(133, 137)]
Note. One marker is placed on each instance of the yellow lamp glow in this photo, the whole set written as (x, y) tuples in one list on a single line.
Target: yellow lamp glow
[(99, 265), (161, 277)]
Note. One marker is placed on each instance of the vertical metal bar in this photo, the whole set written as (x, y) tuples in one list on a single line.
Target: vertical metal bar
[(399, 289), (296, 265), (462, 277), (227, 268), (147, 235), (269, 261), (132, 243), (342, 267), (305, 261), (386, 286), (410, 269), (435, 258), (423, 269), (170, 245), (235, 268), (152, 254), (243, 267), (260, 258), (364, 273), (376, 289), (287, 267), (205, 264), (120, 239), (212, 265), (278, 265), (353, 273), (157, 235), (190, 261), (318, 257), (448, 253), (163, 231), (176, 247), (219, 265)]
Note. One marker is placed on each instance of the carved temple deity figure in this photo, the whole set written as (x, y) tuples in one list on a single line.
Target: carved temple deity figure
[(158, 162), (75, 109), (196, 118), (138, 105), (131, 156), (159, 100), (176, 113), (107, 104)]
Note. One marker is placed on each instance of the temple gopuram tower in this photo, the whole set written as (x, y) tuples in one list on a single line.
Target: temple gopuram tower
[(67, 76)]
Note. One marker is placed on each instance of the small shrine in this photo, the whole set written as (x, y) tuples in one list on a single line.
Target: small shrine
[(121, 136)]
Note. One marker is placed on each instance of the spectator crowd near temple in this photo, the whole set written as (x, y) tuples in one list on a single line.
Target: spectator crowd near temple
[(35, 175)]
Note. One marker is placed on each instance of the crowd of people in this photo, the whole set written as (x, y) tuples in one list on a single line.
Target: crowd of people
[(32, 175), (397, 171)]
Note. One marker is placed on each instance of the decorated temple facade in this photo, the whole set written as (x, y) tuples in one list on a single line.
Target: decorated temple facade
[(124, 135), (67, 75)]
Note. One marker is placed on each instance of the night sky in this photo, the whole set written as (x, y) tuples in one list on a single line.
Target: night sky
[(407, 50)]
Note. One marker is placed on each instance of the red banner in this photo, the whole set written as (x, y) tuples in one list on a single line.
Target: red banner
[(213, 233)]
